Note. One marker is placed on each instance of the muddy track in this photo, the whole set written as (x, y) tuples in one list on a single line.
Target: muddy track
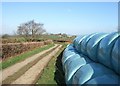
[(16, 67)]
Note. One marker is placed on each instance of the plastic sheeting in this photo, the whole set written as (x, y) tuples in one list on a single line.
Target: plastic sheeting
[(71, 66), (116, 56), (90, 71), (84, 43), (93, 59), (92, 46), (68, 52), (70, 47), (105, 79), (105, 49), (77, 42)]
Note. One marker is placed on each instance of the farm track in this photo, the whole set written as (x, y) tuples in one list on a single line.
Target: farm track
[(13, 69), (30, 76)]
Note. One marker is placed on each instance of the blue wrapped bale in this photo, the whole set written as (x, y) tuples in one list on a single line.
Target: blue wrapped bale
[(69, 47), (105, 49), (84, 43), (90, 71), (93, 59), (77, 42), (105, 79), (68, 52), (72, 65), (92, 46), (116, 56), (68, 61), (67, 55)]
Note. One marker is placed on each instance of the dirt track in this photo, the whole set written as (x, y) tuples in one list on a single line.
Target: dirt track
[(29, 76), (12, 69)]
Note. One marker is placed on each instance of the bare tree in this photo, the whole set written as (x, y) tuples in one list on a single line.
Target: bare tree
[(30, 28)]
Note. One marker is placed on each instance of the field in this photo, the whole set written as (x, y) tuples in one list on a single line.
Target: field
[(20, 56)]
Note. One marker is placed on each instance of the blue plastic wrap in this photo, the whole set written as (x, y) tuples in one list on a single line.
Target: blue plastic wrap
[(105, 49), (116, 56), (77, 42), (73, 57), (93, 59), (84, 43), (105, 79), (67, 54), (87, 59), (69, 47), (92, 46), (71, 66), (90, 71), (82, 75)]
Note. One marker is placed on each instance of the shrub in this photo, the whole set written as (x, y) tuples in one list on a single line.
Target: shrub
[(12, 49)]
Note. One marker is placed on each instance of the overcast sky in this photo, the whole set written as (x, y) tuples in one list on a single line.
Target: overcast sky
[(62, 17)]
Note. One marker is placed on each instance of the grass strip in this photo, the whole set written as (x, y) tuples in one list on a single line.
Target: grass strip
[(21, 71), (47, 76), (23, 56)]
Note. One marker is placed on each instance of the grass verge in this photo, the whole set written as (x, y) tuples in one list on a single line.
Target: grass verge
[(47, 77), (23, 56)]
